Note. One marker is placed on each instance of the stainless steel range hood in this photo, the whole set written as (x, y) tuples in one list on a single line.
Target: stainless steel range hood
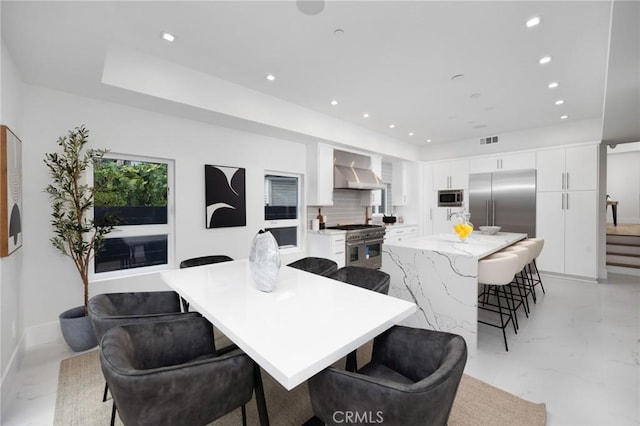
[(353, 171)]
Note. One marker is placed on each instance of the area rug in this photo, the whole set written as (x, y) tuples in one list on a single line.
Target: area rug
[(80, 386)]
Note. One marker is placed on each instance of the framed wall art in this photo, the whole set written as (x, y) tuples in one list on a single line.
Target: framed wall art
[(225, 196), (10, 192)]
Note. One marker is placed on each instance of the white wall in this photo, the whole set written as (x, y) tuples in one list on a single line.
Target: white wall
[(11, 324), (53, 285), (562, 134), (623, 181)]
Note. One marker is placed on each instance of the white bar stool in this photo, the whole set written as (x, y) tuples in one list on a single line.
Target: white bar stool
[(536, 244), (497, 272), (523, 285)]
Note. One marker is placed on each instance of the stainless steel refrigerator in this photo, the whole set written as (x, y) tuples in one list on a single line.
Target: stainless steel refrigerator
[(506, 199)]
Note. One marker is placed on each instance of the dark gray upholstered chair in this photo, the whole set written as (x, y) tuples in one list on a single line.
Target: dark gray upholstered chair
[(368, 278), (371, 279), (113, 309), (315, 265), (167, 373), (412, 379)]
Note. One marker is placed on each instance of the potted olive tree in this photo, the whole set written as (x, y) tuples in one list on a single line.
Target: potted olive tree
[(75, 233)]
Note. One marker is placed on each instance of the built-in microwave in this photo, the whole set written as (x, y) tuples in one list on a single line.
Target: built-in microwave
[(450, 197)]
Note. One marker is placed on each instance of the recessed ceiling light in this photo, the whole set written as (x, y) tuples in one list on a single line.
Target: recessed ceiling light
[(392, 126), (553, 85), (564, 117), (428, 140), (168, 37), (559, 102), (271, 77), (457, 77), (533, 22), (310, 7), (544, 60), (365, 115), (338, 32), (334, 102), (475, 95), (410, 133)]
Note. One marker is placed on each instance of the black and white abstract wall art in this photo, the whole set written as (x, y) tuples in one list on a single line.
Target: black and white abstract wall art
[(225, 196), (10, 192)]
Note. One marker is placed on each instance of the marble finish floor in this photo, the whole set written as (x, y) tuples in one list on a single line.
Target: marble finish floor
[(578, 353)]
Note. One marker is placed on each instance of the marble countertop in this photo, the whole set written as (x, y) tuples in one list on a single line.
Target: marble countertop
[(398, 225), (476, 245), (327, 232)]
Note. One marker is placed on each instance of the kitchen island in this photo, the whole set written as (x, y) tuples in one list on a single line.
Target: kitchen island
[(439, 273)]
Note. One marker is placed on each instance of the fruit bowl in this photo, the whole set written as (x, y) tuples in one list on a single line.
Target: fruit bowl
[(490, 229)]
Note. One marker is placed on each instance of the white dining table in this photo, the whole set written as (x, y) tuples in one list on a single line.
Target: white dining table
[(304, 325)]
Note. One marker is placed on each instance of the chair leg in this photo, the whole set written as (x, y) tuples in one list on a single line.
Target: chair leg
[(260, 400), (352, 362), (106, 389), (539, 277), (513, 302), (244, 415), (113, 413), (185, 304), (502, 324)]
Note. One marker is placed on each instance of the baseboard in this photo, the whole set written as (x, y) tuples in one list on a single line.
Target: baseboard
[(622, 270), (40, 334), (587, 280)]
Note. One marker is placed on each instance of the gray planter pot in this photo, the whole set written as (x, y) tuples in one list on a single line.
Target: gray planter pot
[(76, 329)]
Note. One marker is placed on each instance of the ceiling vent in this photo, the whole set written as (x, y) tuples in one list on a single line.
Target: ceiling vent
[(488, 140)]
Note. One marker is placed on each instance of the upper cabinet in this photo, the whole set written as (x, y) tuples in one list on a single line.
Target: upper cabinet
[(451, 175), (517, 161), (568, 169), (320, 175), (399, 184)]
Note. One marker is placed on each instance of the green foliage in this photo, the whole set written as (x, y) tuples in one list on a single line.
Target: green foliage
[(126, 183), (75, 234)]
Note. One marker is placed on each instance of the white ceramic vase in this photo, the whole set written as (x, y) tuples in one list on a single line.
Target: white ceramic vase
[(264, 261)]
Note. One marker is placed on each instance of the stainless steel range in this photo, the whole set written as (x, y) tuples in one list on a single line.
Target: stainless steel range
[(363, 245)]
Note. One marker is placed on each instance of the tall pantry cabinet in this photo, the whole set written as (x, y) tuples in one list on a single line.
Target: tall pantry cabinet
[(566, 210)]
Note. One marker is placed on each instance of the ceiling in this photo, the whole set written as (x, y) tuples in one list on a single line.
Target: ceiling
[(392, 60)]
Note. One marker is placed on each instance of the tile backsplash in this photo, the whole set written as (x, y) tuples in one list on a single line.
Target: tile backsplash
[(346, 209)]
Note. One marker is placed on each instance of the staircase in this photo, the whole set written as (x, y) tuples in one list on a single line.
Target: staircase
[(623, 251)]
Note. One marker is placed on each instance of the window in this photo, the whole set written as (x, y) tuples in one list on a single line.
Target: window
[(384, 201), (281, 208), (133, 194)]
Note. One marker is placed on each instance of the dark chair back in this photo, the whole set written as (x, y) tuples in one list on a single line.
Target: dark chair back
[(371, 279), (315, 265), (204, 260), (167, 373), (412, 379)]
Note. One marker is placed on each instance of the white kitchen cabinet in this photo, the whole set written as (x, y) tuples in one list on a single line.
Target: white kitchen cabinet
[(399, 184), (567, 223), (329, 245), (320, 175), (515, 161), (371, 198), (572, 169), (451, 175), (395, 233)]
